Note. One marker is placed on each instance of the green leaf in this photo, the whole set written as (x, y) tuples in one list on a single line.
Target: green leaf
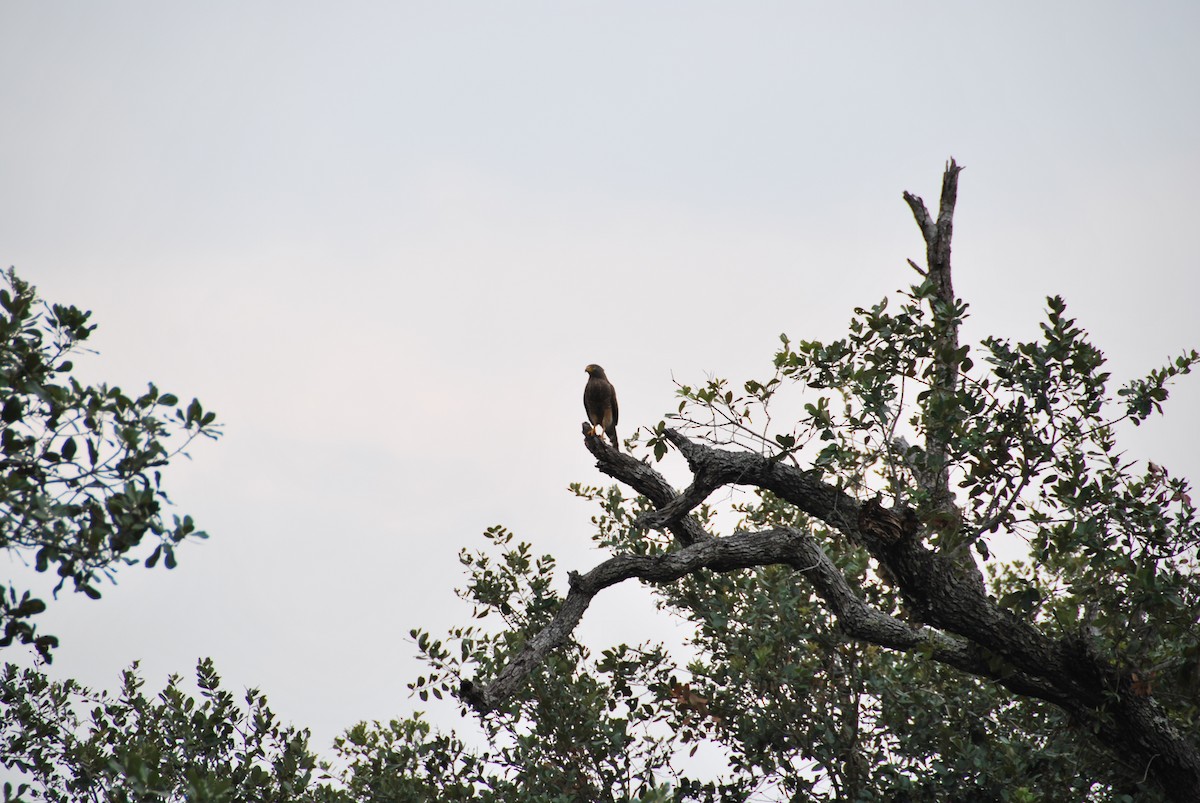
[(29, 607), (12, 410)]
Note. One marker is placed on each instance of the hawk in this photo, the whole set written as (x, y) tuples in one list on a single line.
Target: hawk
[(600, 401)]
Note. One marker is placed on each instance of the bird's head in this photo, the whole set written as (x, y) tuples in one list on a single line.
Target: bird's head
[(594, 370)]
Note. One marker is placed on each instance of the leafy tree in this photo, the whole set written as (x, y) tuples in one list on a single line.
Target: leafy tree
[(130, 747), (80, 491), (856, 639), (79, 464)]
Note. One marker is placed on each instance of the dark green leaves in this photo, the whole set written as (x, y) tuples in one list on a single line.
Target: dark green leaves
[(658, 441), (1145, 396), (169, 746), (13, 407), (591, 727), (81, 516)]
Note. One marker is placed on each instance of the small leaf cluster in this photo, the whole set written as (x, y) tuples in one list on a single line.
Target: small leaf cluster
[(405, 761), (616, 523), (738, 418)]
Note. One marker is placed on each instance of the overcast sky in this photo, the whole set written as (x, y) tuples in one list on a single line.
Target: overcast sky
[(382, 240)]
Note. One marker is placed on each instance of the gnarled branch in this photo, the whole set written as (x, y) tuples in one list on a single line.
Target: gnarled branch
[(778, 546), (961, 625)]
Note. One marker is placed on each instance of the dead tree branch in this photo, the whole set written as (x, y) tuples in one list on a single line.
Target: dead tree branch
[(935, 477)]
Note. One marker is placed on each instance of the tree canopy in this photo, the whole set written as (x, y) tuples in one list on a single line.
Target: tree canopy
[(855, 638), (944, 580)]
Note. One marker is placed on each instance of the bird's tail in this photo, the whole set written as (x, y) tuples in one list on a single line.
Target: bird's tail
[(611, 432)]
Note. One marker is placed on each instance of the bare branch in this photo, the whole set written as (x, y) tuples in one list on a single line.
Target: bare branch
[(712, 468), (647, 482), (938, 234), (935, 478)]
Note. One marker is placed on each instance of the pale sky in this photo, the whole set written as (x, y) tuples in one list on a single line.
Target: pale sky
[(382, 240)]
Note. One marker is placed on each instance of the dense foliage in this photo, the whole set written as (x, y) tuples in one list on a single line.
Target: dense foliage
[(931, 573), (130, 747)]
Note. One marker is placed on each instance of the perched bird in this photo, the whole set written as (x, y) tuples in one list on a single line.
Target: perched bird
[(600, 401)]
